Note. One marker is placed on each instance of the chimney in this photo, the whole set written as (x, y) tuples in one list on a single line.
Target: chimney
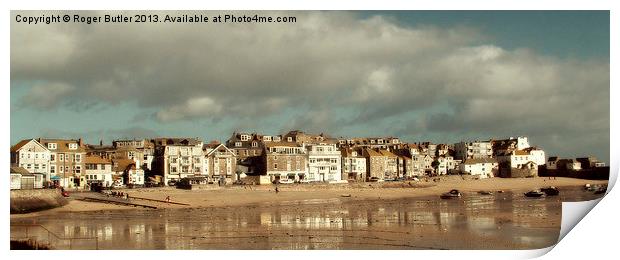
[(100, 142), (80, 142)]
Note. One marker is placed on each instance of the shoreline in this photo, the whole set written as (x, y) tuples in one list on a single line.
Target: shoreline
[(238, 196)]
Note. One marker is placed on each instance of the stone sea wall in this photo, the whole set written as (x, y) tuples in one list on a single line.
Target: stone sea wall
[(25, 201)]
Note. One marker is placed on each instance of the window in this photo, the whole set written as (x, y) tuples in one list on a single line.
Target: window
[(52, 146), (77, 169), (67, 169), (73, 146), (52, 157), (237, 144), (36, 166), (61, 169), (173, 169), (52, 169), (78, 158), (275, 166), (185, 169), (61, 157), (290, 139), (36, 156), (254, 144)]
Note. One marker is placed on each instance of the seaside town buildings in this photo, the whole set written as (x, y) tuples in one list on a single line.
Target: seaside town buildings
[(66, 166), (473, 150), (483, 167), (98, 171), (177, 158), (286, 161), (324, 161), (353, 164), (295, 156), (31, 156), (220, 163)]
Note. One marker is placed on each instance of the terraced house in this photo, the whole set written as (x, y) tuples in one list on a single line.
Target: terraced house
[(284, 160), (66, 161), (177, 158), (353, 164), (324, 162)]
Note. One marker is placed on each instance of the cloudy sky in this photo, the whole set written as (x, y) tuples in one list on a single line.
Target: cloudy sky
[(422, 76)]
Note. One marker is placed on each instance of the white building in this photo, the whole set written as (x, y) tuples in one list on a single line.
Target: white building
[(446, 163), (98, 171), (177, 158), (518, 158), (483, 167), (473, 150), (324, 162), (32, 156)]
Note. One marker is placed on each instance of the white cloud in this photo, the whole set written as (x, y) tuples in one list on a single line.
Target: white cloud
[(327, 62)]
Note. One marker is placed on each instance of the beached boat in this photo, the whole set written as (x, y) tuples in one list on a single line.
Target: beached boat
[(453, 194), (600, 190), (485, 192), (534, 193), (589, 187), (550, 191)]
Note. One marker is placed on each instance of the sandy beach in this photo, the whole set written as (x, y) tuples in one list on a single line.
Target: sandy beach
[(232, 196)]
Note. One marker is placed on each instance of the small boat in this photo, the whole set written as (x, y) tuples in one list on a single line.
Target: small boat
[(534, 193), (550, 191), (589, 187), (485, 192), (451, 195), (345, 195), (600, 190)]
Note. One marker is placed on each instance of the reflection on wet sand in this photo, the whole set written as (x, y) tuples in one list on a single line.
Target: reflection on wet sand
[(499, 221)]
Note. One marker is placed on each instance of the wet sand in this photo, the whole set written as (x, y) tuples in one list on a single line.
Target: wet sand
[(318, 217), (501, 221)]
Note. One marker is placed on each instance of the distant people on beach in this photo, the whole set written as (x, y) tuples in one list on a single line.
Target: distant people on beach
[(167, 198), (277, 190)]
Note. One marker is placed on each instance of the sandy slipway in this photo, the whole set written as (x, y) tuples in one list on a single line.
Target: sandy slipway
[(231, 196)]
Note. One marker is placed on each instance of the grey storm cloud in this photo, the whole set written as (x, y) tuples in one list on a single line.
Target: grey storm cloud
[(324, 62)]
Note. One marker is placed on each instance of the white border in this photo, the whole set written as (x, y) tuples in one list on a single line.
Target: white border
[(594, 236)]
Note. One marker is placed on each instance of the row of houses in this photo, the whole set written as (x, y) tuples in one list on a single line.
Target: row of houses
[(295, 156)]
